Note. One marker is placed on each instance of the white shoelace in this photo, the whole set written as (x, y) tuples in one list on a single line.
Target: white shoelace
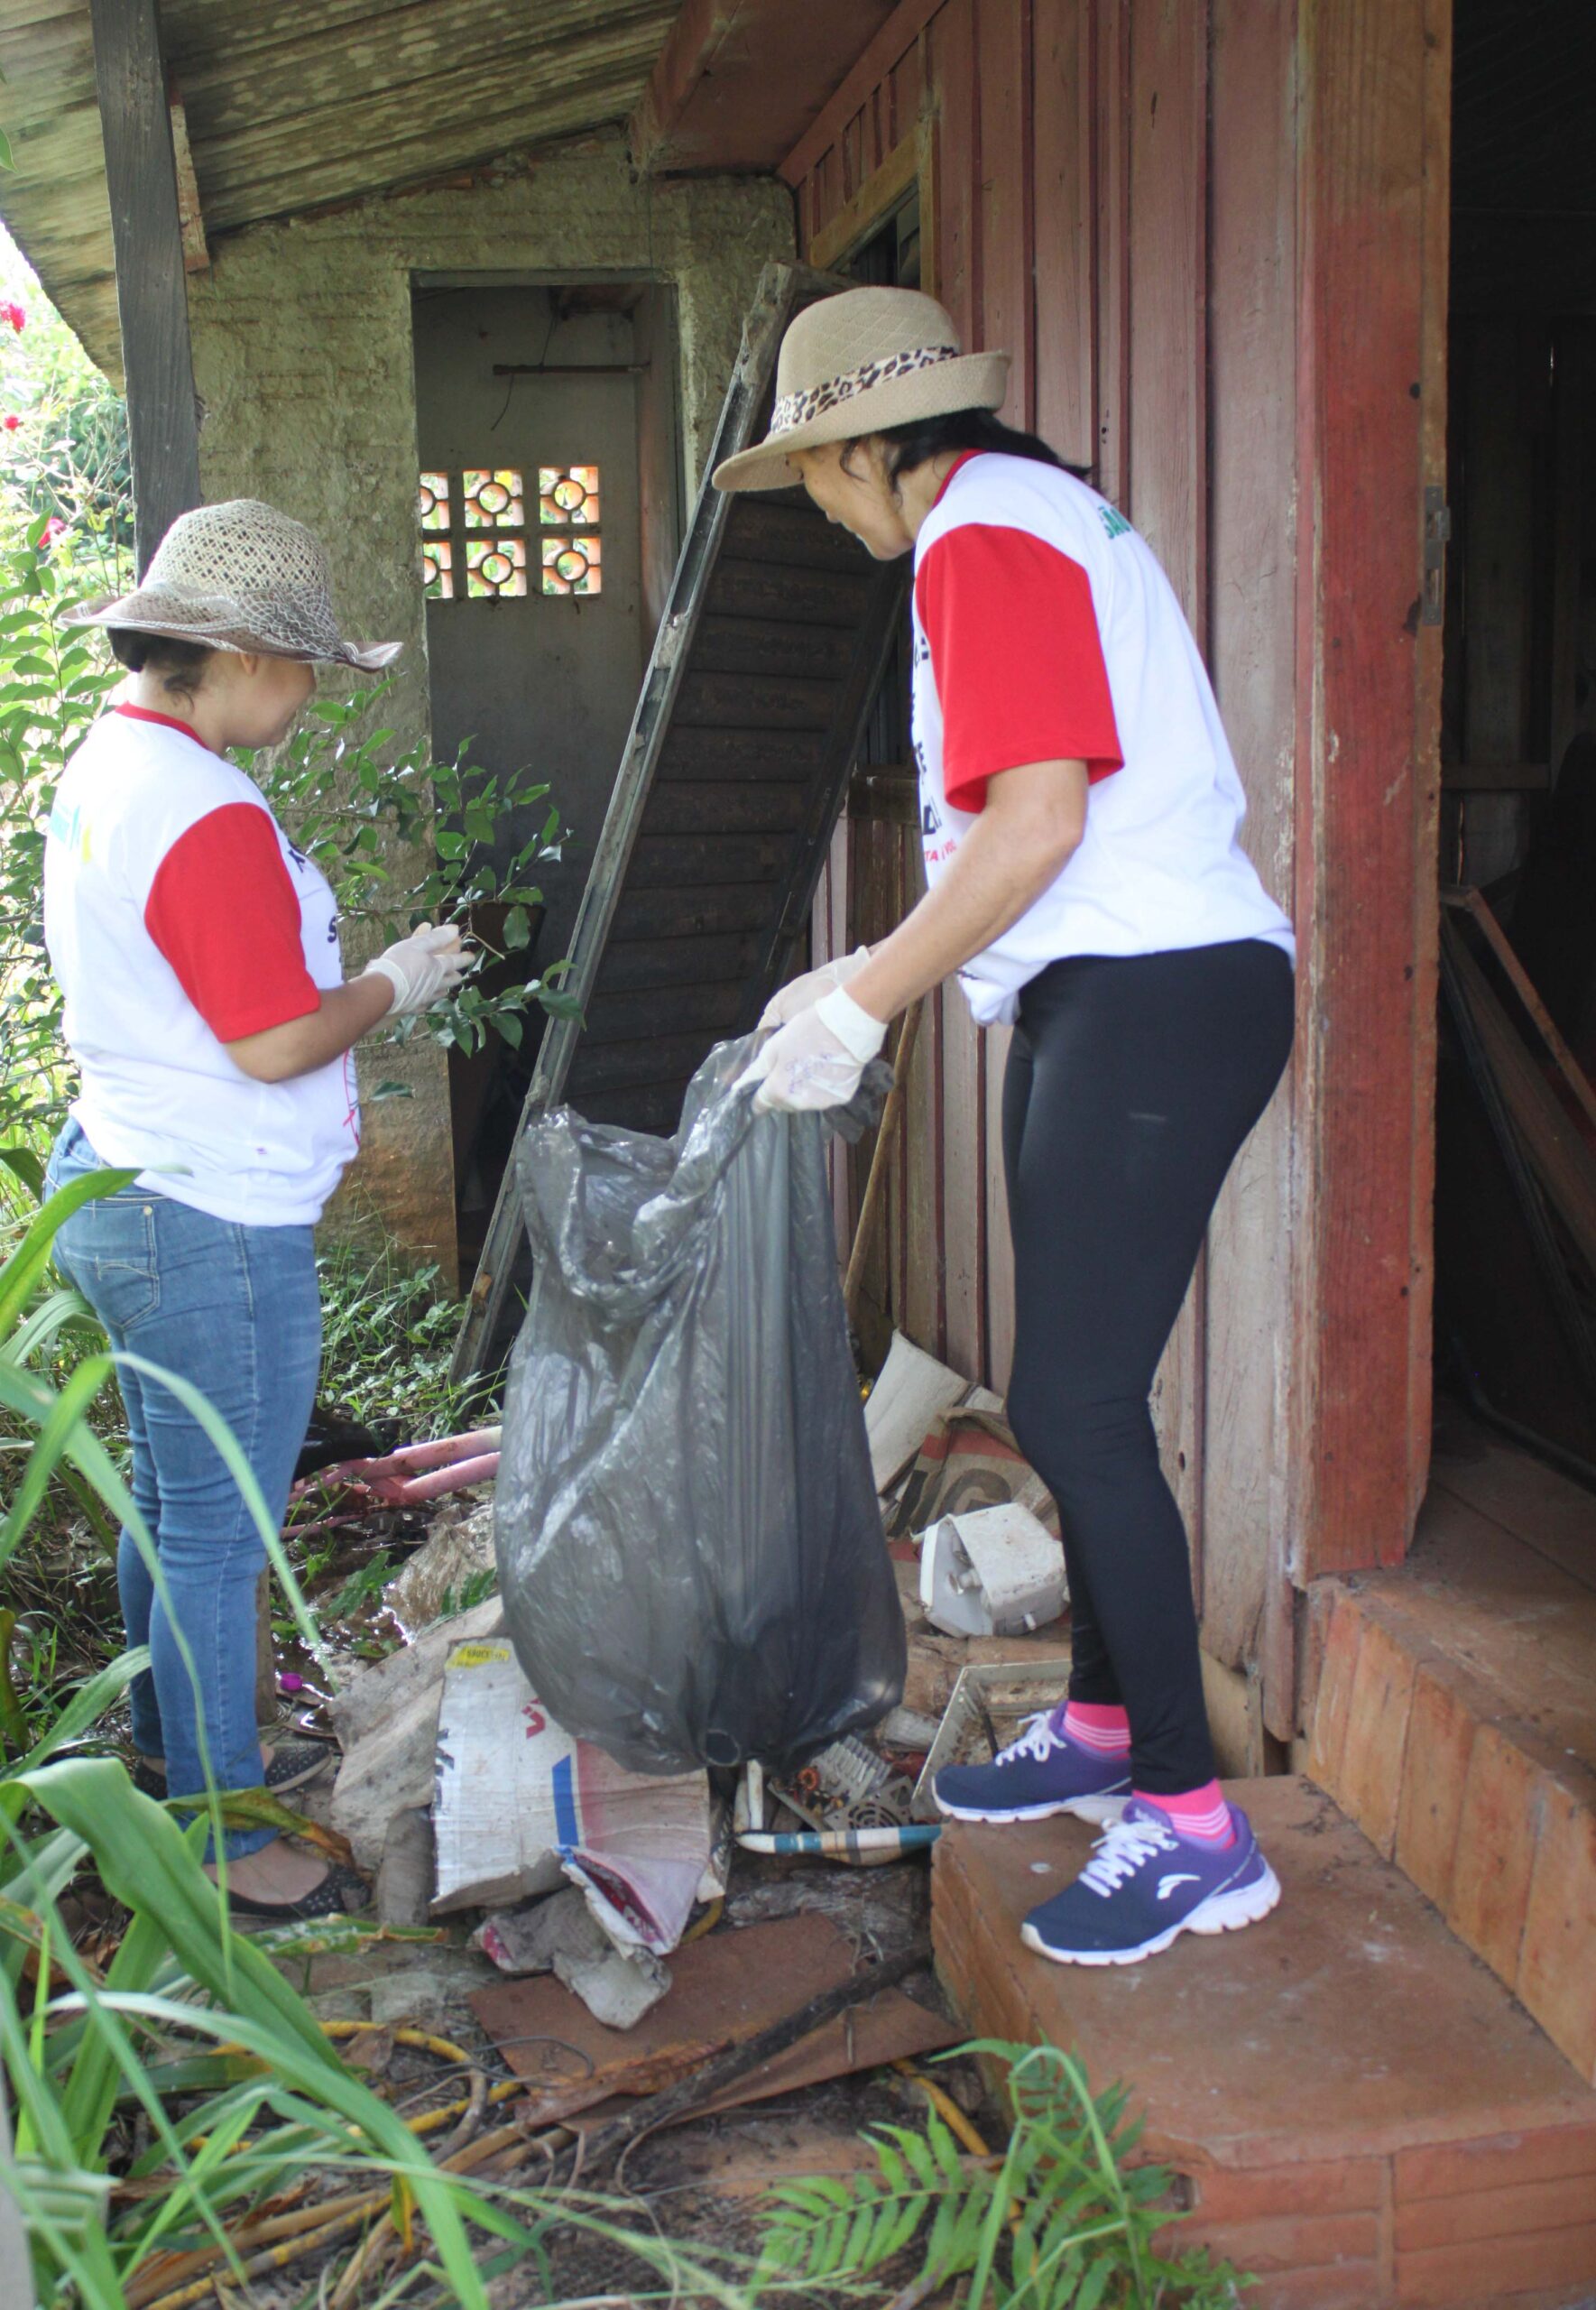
[(1038, 1741), (1121, 1850)]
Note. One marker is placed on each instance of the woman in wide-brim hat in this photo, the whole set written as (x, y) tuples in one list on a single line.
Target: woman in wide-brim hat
[(206, 1005), (1079, 808)]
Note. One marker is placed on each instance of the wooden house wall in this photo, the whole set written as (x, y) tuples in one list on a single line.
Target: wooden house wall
[(1159, 208)]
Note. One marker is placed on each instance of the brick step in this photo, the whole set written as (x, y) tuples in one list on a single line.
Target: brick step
[(1363, 2115), (1454, 1719)]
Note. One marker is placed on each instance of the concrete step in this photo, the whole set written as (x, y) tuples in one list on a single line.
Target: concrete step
[(1362, 2114), (1454, 1719)]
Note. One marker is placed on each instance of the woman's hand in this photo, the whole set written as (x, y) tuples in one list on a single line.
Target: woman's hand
[(816, 1060), (421, 969), (803, 993)]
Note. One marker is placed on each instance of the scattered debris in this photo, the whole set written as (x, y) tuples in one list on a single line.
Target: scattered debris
[(387, 1720), (993, 1572), (728, 1989), (419, 1472), (990, 1702), (438, 1580), (968, 1460), (912, 1392), (521, 1807), (562, 1936), (404, 1878)]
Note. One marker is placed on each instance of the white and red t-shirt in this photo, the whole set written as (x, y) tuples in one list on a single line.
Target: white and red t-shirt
[(1046, 631), (179, 918)]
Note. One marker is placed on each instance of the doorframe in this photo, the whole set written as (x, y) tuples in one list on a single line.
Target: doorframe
[(1374, 219)]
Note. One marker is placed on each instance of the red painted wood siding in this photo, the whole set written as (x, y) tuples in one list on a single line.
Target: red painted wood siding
[(1204, 230)]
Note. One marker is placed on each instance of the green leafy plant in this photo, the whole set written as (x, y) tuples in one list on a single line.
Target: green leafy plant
[(360, 805), (54, 686), (1063, 2220)]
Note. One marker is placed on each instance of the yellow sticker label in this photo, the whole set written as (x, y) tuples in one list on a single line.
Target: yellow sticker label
[(477, 1656)]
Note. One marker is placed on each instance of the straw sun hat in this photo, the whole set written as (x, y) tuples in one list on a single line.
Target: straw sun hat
[(240, 576), (856, 363)]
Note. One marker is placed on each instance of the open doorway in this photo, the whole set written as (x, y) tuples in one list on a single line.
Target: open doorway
[(1516, 1156), (549, 474)]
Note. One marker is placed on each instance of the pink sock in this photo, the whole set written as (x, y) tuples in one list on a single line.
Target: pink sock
[(1091, 1725), (1200, 1814)]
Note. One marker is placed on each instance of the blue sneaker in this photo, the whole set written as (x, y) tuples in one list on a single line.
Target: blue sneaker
[(1144, 1884), (1042, 1773)]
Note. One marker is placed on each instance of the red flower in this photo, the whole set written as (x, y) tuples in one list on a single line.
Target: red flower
[(10, 424), (54, 528), (14, 314)]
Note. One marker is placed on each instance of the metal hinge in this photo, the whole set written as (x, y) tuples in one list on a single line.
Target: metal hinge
[(1437, 530)]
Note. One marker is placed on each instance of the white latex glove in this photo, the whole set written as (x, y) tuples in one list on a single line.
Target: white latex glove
[(431, 962), (803, 993), (816, 1060)]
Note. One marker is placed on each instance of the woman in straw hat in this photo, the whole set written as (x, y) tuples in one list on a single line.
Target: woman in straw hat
[(206, 1005), (1079, 809)]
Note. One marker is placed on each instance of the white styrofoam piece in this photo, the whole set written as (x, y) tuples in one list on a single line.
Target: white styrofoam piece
[(994, 1572), (912, 1393)]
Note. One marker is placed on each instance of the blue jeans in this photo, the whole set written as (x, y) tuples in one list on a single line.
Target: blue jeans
[(236, 1311)]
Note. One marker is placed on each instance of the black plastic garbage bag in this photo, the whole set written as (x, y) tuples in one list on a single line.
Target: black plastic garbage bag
[(691, 1549)]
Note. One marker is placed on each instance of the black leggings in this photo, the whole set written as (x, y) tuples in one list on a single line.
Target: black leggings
[(1131, 1082)]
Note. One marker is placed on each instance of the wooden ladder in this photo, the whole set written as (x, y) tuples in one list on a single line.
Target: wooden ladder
[(736, 766)]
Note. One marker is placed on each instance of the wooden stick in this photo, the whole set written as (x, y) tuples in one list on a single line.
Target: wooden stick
[(876, 1184), (1473, 902)]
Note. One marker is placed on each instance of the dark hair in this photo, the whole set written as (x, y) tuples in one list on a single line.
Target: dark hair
[(181, 665), (925, 438)]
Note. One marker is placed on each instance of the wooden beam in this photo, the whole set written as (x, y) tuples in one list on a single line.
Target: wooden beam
[(190, 218), (152, 292), (899, 31), (876, 198), (691, 46)]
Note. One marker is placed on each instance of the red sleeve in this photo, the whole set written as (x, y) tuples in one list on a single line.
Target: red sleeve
[(224, 911), (1017, 657)]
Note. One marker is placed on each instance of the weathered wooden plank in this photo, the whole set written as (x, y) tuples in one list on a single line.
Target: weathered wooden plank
[(747, 702), (631, 1016), (1247, 1474), (1364, 803), (999, 1242), (963, 1183), (746, 645), (778, 754), (152, 297), (640, 1106), (720, 807), (761, 589), (882, 189), (782, 527), (689, 914), (1065, 320), (1170, 486), (655, 1059), (676, 962), (954, 72), (897, 35), (1111, 262), (694, 861), (1003, 195), (907, 91)]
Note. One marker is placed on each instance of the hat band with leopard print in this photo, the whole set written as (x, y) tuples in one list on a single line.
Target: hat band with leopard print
[(797, 408)]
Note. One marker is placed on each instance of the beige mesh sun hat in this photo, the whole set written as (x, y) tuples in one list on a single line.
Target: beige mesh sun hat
[(240, 575), (858, 363)]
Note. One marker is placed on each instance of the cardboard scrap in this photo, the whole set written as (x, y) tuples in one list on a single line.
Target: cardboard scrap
[(912, 1390), (725, 1988), (387, 1720), (458, 1548), (521, 1808)]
